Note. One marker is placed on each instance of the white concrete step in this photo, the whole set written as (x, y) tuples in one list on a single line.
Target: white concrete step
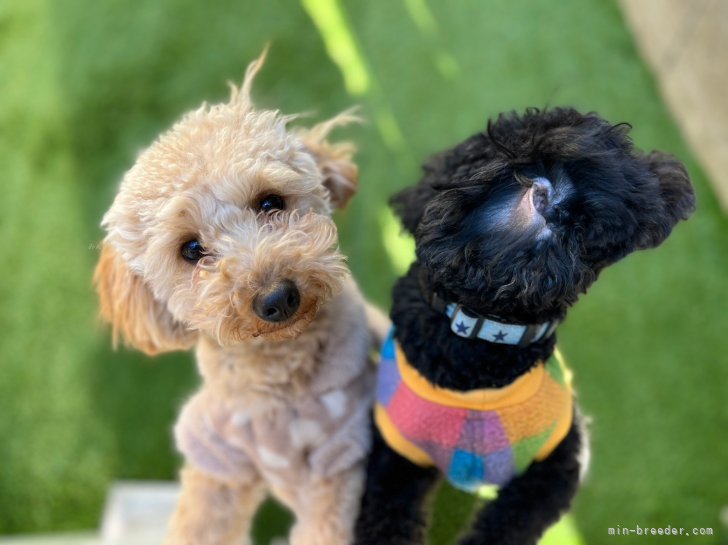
[(138, 513)]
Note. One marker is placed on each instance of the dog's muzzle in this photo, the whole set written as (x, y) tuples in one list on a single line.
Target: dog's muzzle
[(278, 303)]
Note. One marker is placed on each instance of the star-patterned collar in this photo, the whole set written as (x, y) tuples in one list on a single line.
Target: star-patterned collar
[(468, 324)]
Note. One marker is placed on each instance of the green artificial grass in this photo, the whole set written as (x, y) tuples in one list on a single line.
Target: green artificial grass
[(87, 84)]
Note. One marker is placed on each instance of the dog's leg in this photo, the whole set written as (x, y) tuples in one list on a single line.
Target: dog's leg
[(326, 509), (532, 502), (211, 512), (394, 496), (377, 323)]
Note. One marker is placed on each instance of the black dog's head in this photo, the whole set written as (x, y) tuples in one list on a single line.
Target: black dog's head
[(517, 221)]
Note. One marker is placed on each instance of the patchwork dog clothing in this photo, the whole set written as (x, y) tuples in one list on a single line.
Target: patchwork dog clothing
[(479, 437)]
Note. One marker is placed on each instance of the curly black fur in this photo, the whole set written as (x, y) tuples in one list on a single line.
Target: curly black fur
[(515, 223), (615, 200)]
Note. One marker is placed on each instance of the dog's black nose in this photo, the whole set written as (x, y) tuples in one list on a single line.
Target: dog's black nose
[(541, 195), (278, 303)]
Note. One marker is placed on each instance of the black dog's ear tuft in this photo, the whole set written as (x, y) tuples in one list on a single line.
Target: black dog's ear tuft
[(675, 193), (410, 203)]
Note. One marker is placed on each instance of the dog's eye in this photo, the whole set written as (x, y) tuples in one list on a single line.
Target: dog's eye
[(270, 203), (192, 251)]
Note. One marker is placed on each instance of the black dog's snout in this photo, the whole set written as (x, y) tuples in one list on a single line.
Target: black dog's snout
[(278, 303), (542, 195)]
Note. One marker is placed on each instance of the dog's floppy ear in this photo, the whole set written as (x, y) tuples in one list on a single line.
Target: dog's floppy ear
[(676, 198), (135, 315), (341, 175), (410, 203)]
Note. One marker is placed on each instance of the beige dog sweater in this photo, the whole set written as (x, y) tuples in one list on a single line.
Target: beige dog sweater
[(318, 433)]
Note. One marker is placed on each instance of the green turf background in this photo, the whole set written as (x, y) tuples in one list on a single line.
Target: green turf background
[(85, 85)]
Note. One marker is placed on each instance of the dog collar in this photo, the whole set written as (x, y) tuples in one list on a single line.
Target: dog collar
[(471, 325)]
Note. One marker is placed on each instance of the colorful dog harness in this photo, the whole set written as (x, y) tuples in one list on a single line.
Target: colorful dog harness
[(479, 437)]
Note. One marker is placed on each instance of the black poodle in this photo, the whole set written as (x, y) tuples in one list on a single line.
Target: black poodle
[(511, 226)]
